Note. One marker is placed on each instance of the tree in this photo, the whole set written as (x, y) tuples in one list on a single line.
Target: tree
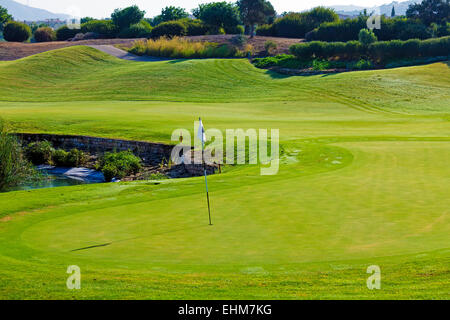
[(86, 19), (170, 13), (4, 17), (44, 34), (16, 32), (255, 12), (393, 12), (430, 11), (123, 18), (218, 15), (367, 37)]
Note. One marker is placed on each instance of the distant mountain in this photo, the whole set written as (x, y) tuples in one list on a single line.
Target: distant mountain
[(400, 8), (22, 12)]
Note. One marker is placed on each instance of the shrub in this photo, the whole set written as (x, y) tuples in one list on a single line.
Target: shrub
[(16, 32), (391, 29), (119, 165), (138, 30), (76, 158), (39, 152), (239, 40), (381, 51), (362, 64), (270, 47), (105, 28), (184, 48), (59, 158), (45, 34), (366, 37), (281, 60), (384, 51), (169, 29), (267, 30), (297, 25), (73, 158), (342, 30), (194, 27), (412, 47), (65, 33), (14, 168), (234, 30), (110, 172), (353, 50)]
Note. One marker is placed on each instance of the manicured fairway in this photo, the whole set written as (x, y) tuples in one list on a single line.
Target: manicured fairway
[(364, 180)]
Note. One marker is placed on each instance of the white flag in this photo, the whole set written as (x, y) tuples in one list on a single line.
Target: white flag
[(201, 131)]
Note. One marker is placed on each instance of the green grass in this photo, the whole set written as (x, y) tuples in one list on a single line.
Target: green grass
[(363, 180)]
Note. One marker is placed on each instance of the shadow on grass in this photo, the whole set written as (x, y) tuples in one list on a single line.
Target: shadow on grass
[(278, 75), (134, 238)]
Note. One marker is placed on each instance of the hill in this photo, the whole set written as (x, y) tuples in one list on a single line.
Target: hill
[(363, 181), (351, 10), (21, 12)]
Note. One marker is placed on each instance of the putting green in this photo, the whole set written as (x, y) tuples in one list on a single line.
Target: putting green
[(363, 180)]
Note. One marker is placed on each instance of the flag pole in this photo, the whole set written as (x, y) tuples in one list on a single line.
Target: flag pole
[(204, 170)]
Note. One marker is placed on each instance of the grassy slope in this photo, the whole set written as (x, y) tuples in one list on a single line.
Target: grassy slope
[(364, 180)]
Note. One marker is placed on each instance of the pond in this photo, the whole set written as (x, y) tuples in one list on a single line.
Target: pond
[(62, 177)]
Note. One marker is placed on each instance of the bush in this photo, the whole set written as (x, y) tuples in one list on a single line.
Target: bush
[(297, 25), (110, 172), (169, 29), (194, 27), (105, 28), (239, 40), (16, 32), (119, 165), (270, 47), (391, 29), (76, 158), (138, 30), (45, 34), (384, 51), (39, 152), (267, 30), (366, 37), (381, 51), (59, 158), (362, 64), (65, 33), (342, 30), (14, 168), (184, 48), (234, 30), (281, 60)]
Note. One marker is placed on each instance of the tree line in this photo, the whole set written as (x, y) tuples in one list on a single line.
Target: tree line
[(423, 20)]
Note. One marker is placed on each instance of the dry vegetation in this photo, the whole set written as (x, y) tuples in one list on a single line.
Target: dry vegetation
[(13, 51)]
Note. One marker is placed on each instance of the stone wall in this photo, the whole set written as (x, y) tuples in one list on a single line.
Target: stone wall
[(150, 153)]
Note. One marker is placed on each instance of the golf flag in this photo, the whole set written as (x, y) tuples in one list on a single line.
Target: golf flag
[(201, 132), (202, 136)]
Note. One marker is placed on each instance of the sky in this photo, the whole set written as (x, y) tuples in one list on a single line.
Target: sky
[(104, 8)]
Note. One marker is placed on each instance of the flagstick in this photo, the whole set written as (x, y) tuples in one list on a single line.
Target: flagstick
[(206, 181)]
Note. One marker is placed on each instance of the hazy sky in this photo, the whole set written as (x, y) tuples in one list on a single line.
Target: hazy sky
[(103, 8)]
